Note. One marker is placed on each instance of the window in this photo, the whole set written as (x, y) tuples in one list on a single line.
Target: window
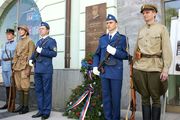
[(20, 12), (171, 10)]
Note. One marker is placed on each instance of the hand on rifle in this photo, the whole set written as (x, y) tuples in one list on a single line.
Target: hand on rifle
[(31, 63), (96, 71), (39, 49), (111, 50)]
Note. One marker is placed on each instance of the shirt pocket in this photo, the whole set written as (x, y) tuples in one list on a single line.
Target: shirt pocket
[(155, 39)]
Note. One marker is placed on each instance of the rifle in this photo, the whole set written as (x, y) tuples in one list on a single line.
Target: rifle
[(132, 104), (12, 92), (133, 94), (36, 54), (103, 63)]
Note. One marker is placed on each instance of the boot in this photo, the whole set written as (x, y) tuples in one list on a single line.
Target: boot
[(24, 110), (21, 106), (146, 112), (156, 113), (7, 99), (26, 98)]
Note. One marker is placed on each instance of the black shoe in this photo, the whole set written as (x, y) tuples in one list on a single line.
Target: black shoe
[(24, 110), (20, 108), (4, 107), (37, 115), (44, 117)]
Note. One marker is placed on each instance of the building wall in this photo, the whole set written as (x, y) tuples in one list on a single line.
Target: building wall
[(78, 27), (53, 12)]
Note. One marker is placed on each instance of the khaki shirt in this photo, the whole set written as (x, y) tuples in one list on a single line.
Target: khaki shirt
[(23, 52), (153, 40)]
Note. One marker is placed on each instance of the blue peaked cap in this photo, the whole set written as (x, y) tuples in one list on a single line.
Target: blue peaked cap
[(111, 17), (45, 24)]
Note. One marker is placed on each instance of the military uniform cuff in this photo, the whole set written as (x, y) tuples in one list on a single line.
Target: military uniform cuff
[(165, 70)]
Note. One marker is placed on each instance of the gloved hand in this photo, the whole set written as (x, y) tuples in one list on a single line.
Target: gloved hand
[(96, 71), (31, 63), (39, 49), (111, 50)]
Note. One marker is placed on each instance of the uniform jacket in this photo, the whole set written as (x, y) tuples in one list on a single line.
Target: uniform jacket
[(43, 61), (10, 48), (111, 71), (154, 40), (23, 52)]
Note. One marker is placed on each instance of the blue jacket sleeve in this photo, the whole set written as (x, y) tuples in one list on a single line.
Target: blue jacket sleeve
[(51, 51), (96, 57), (121, 52)]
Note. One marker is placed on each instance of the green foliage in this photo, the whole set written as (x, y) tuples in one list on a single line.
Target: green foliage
[(95, 110)]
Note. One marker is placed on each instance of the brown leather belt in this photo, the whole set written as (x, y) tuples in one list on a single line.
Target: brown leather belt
[(7, 59), (150, 56)]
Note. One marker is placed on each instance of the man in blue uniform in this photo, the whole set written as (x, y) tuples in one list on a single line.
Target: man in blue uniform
[(46, 49), (6, 57), (111, 73)]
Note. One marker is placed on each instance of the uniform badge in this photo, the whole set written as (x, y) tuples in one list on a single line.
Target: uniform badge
[(55, 49)]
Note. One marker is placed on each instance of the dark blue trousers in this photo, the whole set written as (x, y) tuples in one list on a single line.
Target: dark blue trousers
[(43, 88), (111, 91)]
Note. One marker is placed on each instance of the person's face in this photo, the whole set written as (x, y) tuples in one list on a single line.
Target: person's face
[(95, 11), (9, 36), (111, 25), (43, 31), (149, 15), (22, 32)]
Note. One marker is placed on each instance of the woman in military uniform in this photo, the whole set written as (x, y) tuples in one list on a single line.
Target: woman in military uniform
[(21, 68)]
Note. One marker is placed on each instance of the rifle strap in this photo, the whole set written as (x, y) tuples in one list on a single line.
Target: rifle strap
[(43, 42), (114, 45), (6, 52)]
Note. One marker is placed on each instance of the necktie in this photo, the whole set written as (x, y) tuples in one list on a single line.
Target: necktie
[(110, 37)]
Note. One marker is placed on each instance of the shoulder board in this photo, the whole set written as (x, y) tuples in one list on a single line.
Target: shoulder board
[(103, 35), (123, 36)]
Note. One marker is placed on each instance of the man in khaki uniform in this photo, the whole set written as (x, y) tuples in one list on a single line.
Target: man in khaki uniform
[(152, 60), (21, 68)]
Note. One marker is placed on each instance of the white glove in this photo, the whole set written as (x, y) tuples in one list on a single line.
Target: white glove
[(39, 49), (31, 63), (111, 50), (96, 71)]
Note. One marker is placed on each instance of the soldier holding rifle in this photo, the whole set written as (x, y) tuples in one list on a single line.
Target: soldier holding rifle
[(21, 68), (152, 60), (109, 57), (46, 49), (6, 58)]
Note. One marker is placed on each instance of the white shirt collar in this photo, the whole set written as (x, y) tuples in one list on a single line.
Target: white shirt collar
[(112, 34), (44, 37)]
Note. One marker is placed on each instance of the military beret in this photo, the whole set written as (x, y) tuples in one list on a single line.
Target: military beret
[(149, 7), (9, 30), (45, 24), (111, 17)]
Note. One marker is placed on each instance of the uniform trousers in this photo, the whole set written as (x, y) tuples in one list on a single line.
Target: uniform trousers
[(6, 78), (22, 80), (148, 84), (111, 92), (43, 88)]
